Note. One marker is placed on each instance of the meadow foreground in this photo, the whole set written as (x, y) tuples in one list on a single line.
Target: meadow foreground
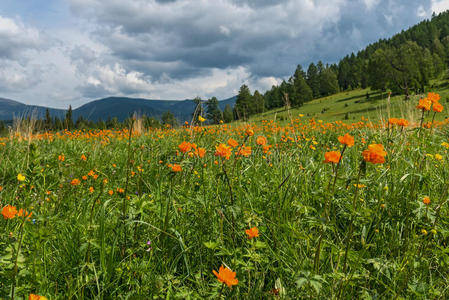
[(305, 209)]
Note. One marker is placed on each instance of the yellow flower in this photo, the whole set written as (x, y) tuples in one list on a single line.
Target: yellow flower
[(438, 157), (201, 119), (424, 232), (359, 185), (444, 144), (20, 177)]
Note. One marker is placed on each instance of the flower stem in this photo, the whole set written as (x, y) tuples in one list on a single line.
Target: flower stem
[(221, 290), (351, 224), (124, 206), (16, 259)]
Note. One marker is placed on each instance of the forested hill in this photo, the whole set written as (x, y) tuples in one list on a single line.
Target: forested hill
[(404, 64)]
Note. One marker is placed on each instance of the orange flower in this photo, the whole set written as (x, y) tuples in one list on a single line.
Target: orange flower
[(375, 154), (24, 213), (185, 147), (347, 140), (83, 157), (1, 188), (9, 212), (91, 189), (36, 297), (84, 177), (402, 122), (91, 173), (252, 233), (75, 181), (424, 104), (61, 157), (332, 157), (261, 140), (266, 148), (426, 200), (223, 151), (437, 107), (433, 97), (226, 276), (111, 192), (393, 121), (120, 190), (244, 151), (200, 152), (233, 143), (249, 132), (175, 167)]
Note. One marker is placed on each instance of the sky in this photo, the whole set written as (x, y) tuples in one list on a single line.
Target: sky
[(58, 53)]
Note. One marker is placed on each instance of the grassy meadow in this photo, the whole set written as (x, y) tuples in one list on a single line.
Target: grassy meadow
[(295, 209), (350, 106)]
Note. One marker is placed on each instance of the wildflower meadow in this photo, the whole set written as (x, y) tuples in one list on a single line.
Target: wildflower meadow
[(259, 210)]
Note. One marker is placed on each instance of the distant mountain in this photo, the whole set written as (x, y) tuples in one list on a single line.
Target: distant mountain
[(10, 109), (108, 108)]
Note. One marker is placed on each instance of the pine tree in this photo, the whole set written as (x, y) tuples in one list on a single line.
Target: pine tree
[(259, 102), (301, 91), (213, 111), (243, 104), (313, 80), (48, 123), (58, 124), (68, 121), (228, 115), (328, 82)]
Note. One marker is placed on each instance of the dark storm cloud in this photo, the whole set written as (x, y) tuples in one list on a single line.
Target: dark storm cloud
[(185, 39)]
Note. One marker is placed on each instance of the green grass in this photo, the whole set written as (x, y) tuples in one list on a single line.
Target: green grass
[(316, 240), (350, 106)]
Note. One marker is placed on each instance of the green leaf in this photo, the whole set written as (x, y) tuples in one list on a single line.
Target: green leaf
[(316, 285), (211, 245), (260, 245), (300, 282)]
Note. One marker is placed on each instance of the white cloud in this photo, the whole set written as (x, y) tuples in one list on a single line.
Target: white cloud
[(16, 38), (438, 6), (421, 12), (370, 4)]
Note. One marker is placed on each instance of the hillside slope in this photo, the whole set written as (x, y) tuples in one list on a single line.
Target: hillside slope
[(350, 106)]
